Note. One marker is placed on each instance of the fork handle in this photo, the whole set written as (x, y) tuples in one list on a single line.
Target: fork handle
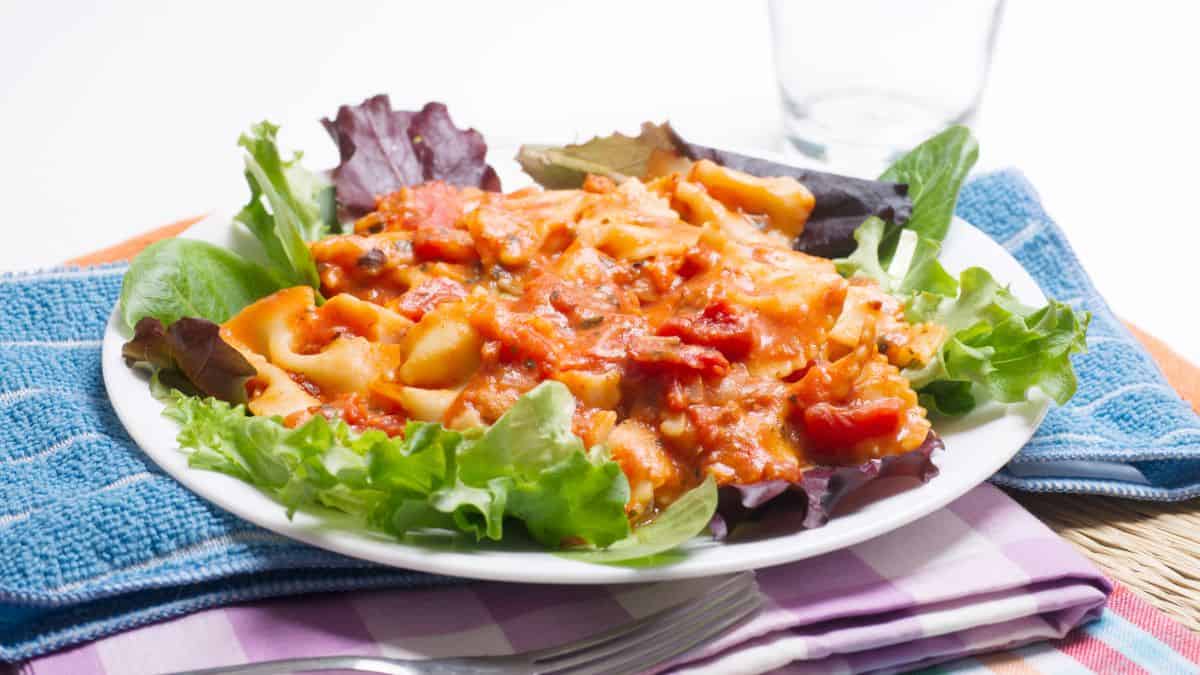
[(364, 664)]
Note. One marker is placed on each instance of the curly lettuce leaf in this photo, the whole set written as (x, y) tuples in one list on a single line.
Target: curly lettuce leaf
[(579, 499), (532, 462), (288, 207), (533, 434), (527, 467), (923, 273), (997, 344), (382, 150), (864, 261), (996, 348)]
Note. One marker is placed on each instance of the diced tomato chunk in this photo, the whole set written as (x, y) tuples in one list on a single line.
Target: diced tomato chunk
[(672, 354), (697, 260), (420, 299), (436, 204), (522, 336), (832, 428), (432, 211), (719, 326)]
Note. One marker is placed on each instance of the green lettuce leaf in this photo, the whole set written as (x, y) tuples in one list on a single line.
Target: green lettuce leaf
[(579, 498), (176, 278), (687, 517), (288, 206), (531, 461), (996, 347), (532, 435), (997, 344), (527, 467), (864, 261), (300, 206), (934, 171)]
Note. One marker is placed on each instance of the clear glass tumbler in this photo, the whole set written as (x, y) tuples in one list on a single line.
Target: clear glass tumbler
[(865, 80)]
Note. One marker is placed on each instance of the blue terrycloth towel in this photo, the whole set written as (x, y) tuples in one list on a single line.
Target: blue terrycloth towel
[(1126, 432), (96, 539)]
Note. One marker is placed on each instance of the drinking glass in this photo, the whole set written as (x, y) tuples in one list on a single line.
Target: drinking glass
[(865, 80)]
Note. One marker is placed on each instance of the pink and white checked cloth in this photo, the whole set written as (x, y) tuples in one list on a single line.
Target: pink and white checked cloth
[(980, 575)]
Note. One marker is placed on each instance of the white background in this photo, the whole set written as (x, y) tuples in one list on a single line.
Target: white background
[(118, 118)]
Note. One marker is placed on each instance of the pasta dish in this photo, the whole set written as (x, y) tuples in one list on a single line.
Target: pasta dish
[(695, 340), (655, 340)]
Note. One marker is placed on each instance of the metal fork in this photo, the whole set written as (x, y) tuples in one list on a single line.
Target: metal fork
[(629, 648)]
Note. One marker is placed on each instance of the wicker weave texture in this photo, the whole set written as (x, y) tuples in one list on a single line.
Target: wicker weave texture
[(1151, 547)]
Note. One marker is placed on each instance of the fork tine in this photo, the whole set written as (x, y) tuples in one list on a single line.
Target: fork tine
[(676, 644), (633, 636), (733, 585)]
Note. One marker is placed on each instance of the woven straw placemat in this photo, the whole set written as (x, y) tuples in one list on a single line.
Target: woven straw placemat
[(1150, 547)]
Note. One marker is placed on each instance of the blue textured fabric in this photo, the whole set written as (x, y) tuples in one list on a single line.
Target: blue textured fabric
[(1126, 432), (96, 539)]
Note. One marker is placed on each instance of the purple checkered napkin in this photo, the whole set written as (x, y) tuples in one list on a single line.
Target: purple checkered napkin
[(980, 575)]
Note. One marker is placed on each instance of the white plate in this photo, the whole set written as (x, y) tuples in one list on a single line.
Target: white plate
[(976, 447)]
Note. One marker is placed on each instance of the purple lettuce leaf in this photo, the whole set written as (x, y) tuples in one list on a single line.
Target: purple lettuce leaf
[(809, 502), (382, 150), (191, 356)]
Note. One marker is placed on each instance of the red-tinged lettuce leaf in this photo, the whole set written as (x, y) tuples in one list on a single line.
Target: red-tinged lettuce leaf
[(826, 487), (190, 354), (383, 150), (806, 504)]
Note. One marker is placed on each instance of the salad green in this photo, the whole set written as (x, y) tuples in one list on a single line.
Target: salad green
[(295, 197), (616, 156), (934, 172), (527, 468), (177, 278), (996, 348), (685, 518)]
